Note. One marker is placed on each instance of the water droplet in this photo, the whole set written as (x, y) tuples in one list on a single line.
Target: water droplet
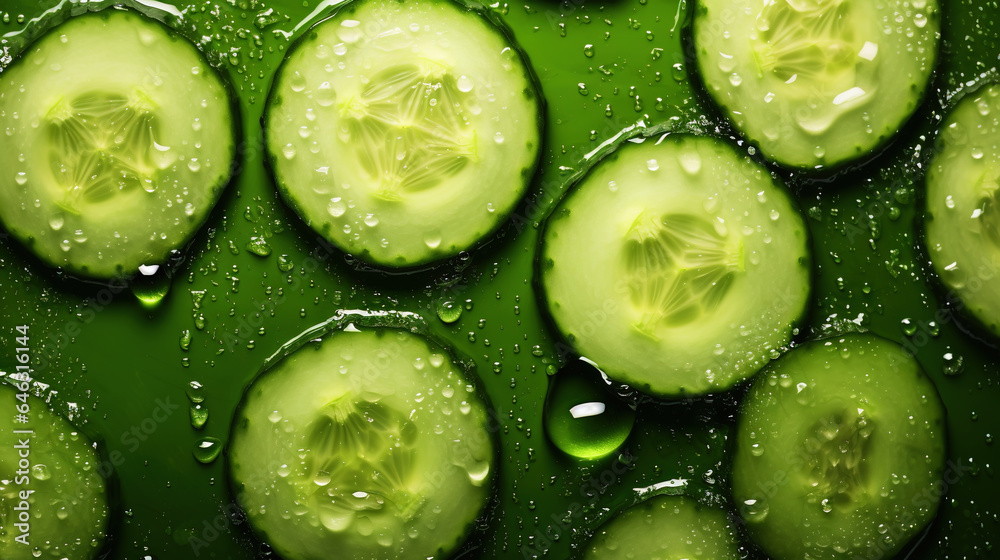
[(150, 289), (464, 83), (56, 221), (498, 138), (193, 392), (325, 96), (199, 416), (336, 207), (953, 364), (258, 246), (449, 311), (21, 178), (40, 472), (588, 50), (652, 165), (581, 415), (207, 449), (285, 263), (185, 340), (908, 326), (690, 162), (678, 72)]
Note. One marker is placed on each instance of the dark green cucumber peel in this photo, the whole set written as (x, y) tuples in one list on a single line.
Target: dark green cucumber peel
[(839, 451), (832, 19), (363, 259), (100, 135), (569, 347), (73, 487), (383, 325)]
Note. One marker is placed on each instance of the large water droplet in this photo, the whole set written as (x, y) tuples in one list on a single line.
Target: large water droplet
[(449, 311), (151, 286), (207, 449), (582, 417)]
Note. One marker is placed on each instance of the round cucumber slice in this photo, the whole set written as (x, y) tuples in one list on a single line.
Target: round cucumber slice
[(125, 141), (816, 83), (372, 442), (666, 528), (677, 265), (839, 451), (404, 132), (963, 205), (66, 503)]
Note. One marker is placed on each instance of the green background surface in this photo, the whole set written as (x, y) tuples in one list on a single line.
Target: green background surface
[(117, 360)]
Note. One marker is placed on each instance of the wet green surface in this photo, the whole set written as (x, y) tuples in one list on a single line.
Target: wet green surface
[(231, 304)]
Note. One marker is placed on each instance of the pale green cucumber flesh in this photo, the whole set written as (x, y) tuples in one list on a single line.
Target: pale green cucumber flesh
[(816, 83), (404, 133), (962, 231), (666, 528), (696, 264), (62, 491), (126, 138), (840, 450), (372, 442)]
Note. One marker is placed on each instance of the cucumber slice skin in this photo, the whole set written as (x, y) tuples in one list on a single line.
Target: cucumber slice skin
[(667, 528), (802, 412), (161, 202), (683, 357), (66, 479), (962, 207), (427, 254), (298, 541), (771, 121)]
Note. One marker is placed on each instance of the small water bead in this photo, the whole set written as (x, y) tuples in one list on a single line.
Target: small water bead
[(199, 416), (207, 449), (40, 472), (325, 96), (297, 82), (449, 311), (908, 326), (21, 178), (652, 165), (464, 84), (588, 50), (581, 416), (336, 207), (953, 364), (498, 138)]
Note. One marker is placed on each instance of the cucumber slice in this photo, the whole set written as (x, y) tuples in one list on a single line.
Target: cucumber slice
[(839, 451), (696, 265), (372, 443), (963, 205), (404, 133), (67, 508), (666, 528), (125, 140), (816, 83)]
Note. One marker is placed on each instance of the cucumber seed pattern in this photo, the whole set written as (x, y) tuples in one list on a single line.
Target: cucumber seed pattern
[(407, 128), (811, 46), (679, 268), (834, 458), (360, 460), (101, 144)]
